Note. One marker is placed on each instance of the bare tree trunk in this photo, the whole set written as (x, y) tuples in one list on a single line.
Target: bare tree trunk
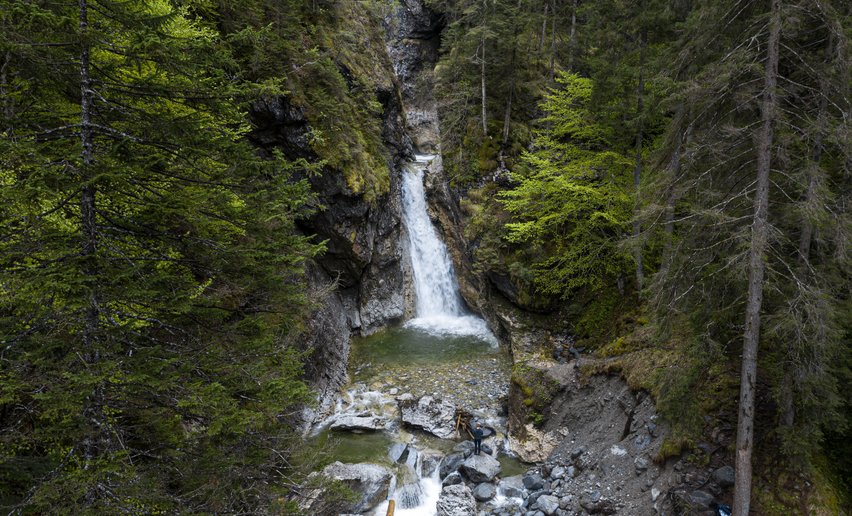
[(543, 28), (553, 41), (97, 439), (757, 255), (671, 200), (637, 170), (482, 70), (572, 36)]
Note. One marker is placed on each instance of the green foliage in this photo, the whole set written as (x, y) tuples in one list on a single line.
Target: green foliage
[(148, 364), (570, 206)]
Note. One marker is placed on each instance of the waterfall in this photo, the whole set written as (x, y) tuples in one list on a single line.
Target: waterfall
[(439, 306)]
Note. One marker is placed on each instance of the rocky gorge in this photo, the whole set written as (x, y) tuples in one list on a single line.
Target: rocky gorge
[(589, 444)]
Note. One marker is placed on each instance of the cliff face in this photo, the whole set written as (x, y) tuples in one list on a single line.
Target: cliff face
[(359, 283)]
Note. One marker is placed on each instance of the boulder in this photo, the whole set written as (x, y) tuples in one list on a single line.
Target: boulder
[(450, 463), (429, 414), (464, 447), (370, 481), (724, 476), (511, 487), (359, 422), (701, 499), (484, 492), (480, 468), (452, 479), (430, 460), (548, 504), (641, 464), (557, 472), (456, 500), (533, 482)]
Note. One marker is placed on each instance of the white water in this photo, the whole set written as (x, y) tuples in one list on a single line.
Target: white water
[(440, 310)]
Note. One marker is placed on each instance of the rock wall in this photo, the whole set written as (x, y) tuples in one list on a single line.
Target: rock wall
[(362, 282)]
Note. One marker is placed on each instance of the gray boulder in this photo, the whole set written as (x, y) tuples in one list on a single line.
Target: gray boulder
[(480, 468), (512, 487), (456, 500), (430, 460), (450, 463), (724, 476), (533, 482), (429, 414), (452, 479), (359, 422), (548, 504), (557, 472), (701, 499), (370, 481), (484, 492)]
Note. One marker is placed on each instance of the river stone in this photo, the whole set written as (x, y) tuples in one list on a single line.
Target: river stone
[(465, 447), (548, 504), (370, 481), (430, 460), (484, 492), (724, 476), (456, 500), (533, 482), (511, 487), (557, 472), (428, 413), (480, 468), (450, 464), (452, 479), (359, 422), (398, 452)]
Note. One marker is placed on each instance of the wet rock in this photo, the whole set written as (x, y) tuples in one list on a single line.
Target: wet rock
[(430, 460), (398, 452), (428, 413), (548, 504), (512, 487), (452, 479), (370, 481), (450, 463), (480, 468), (571, 472), (557, 472), (456, 500), (724, 476), (484, 492), (360, 422), (641, 464), (533, 482)]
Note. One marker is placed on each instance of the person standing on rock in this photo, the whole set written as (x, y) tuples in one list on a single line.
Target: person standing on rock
[(477, 439)]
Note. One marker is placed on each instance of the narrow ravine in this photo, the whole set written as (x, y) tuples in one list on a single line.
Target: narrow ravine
[(415, 388)]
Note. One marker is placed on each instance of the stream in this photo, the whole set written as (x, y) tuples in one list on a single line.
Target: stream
[(445, 352)]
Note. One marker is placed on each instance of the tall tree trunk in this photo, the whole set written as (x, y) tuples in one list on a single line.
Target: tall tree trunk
[(572, 36), (757, 255), (543, 28), (671, 196), (553, 41), (484, 98), (637, 170), (96, 439)]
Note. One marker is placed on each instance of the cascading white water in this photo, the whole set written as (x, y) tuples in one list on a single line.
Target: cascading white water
[(439, 306)]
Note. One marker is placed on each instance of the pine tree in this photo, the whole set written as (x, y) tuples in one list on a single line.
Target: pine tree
[(149, 264)]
